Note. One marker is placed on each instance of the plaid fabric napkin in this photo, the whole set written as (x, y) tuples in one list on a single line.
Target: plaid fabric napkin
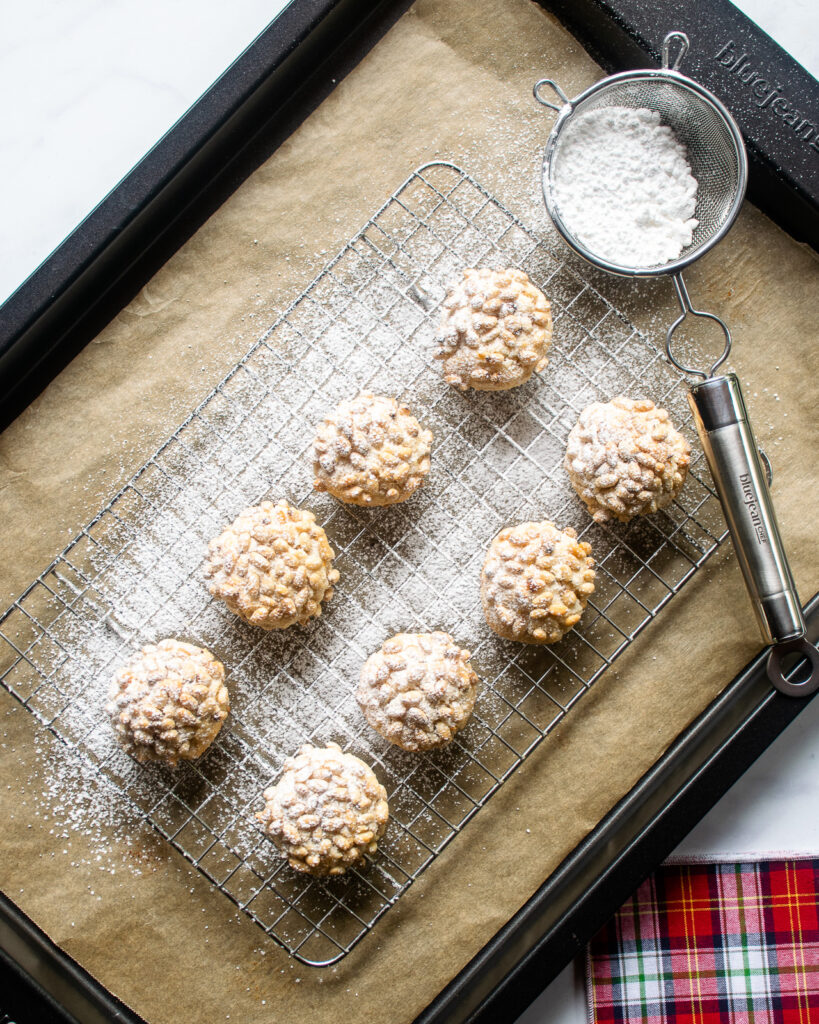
[(712, 944)]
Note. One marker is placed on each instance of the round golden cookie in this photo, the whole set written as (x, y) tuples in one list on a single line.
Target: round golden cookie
[(625, 458), (418, 691), (168, 702), (535, 582), (370, 451), (272, 566), (327, 811), (495, 331)]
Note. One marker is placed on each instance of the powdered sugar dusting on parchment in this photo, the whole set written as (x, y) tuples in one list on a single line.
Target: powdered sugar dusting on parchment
[(134, 575)]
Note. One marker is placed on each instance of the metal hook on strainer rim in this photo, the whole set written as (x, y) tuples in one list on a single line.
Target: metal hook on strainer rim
[(718, 161), (685, 45)]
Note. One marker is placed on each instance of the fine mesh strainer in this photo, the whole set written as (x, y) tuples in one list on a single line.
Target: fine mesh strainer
[(710, 135), (716, 154)]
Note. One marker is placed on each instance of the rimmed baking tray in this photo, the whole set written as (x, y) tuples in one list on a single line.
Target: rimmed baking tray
[(735, 729)]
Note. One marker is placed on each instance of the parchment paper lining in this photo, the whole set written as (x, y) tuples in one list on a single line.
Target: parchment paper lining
[(135, 574)]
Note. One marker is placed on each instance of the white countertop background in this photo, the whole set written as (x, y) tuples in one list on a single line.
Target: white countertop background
[(67, 71)]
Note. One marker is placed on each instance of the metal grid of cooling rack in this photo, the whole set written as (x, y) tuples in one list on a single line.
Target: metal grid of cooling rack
[(132, 576)]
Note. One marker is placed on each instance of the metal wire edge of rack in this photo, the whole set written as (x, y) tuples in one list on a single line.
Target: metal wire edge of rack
[(650, 611)]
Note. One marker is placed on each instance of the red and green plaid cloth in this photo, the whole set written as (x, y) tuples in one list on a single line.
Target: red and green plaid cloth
[(712, 944)]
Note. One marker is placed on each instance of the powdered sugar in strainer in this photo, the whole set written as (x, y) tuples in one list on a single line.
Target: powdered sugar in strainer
[(718, 161)]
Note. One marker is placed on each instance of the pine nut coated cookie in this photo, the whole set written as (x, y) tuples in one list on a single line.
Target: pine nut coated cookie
[(371, 451), (625, 458), (495, 331), (327, 811), (168, 702), (535, 582), (418, 691), (273, 566)]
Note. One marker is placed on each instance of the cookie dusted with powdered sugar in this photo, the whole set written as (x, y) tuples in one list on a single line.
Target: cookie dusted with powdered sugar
[(495, 331), (273, 566), (535, 582), (418, 691), (168, 702), (371, 451), (625, 458), (327, 811)]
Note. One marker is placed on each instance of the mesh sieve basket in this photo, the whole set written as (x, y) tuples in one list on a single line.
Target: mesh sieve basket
[(710, 135)]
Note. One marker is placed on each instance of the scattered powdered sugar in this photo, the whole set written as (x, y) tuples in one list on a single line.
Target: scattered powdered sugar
[(92, 822), (135, 575), (623, 186)]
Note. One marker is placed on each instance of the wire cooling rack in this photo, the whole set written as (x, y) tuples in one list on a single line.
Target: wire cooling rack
[(134, 574)]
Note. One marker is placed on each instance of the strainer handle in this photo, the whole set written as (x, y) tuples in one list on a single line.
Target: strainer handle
[(687, 309), (733, 458)]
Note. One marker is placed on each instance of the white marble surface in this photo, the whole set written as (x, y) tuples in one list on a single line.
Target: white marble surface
[(67, 71), (794, 24)]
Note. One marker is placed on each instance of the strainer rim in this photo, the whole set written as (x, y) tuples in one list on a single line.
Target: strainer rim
[(678, 79)]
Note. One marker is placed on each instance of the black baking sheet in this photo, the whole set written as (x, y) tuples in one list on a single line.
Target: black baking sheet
[(95, 272)]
